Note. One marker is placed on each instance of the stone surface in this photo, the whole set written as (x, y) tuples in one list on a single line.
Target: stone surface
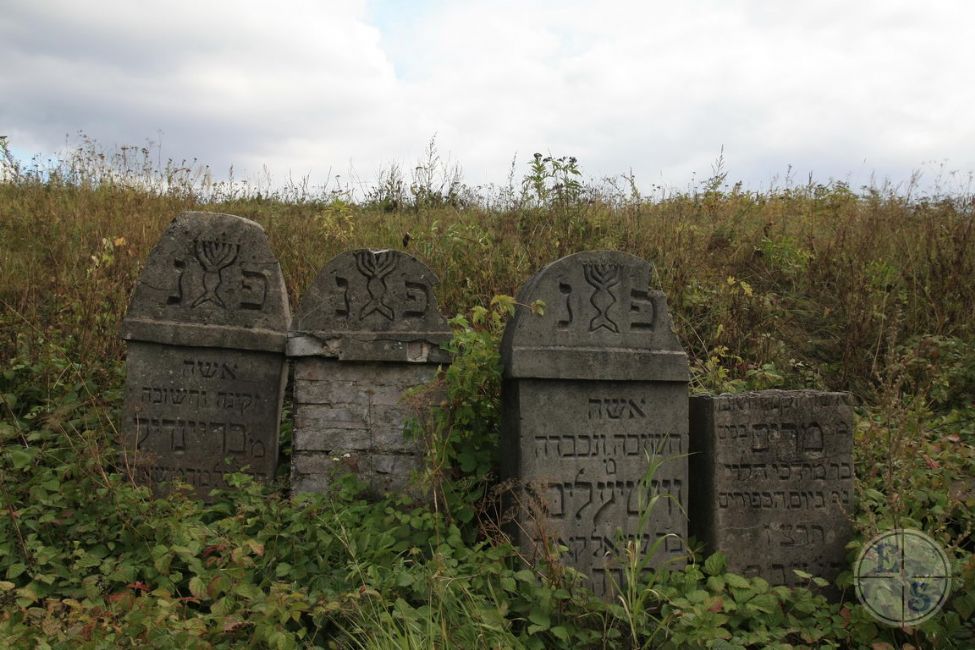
[(773, 481), (367, 331), (206, 332), (369, 305), (592, 389)]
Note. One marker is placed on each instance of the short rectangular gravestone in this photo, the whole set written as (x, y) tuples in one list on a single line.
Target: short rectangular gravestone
[(367, 330), (592, 389), (206, 332), (773, 481)]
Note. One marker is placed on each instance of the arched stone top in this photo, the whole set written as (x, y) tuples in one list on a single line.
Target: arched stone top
[(210, 281), (601, 321), (371, 305)]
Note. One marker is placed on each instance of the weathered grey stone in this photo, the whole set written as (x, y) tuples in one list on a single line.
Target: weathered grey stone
[(371, 306), (367, 331), (206, 332), (592, 389), (773, 481)]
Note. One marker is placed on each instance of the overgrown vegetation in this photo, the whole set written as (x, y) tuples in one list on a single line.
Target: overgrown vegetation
[(815, 286)]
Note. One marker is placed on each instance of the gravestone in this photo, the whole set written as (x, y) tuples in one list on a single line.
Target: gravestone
[(367, 330), (206, 331), (773, 481), (593, 389)]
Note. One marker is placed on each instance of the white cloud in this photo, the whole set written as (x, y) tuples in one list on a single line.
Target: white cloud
[(658, 87)]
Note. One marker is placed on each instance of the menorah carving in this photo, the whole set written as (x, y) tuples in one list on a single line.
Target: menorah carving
[(375, 267), (214, 256), (602, 277)]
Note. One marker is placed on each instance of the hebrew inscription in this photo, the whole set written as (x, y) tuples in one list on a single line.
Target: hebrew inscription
[(776, 488), (206, 332), (593, 390)]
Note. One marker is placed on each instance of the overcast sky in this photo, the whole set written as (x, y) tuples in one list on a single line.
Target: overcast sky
[(840, 89)]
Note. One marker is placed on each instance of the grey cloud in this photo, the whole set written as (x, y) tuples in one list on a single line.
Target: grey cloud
[(657, 87)]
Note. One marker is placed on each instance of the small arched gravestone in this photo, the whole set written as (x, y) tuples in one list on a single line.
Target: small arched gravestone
[(367, 330), (593, 389), (206, 331)]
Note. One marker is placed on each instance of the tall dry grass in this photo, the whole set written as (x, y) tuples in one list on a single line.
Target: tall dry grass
[(811, 285)]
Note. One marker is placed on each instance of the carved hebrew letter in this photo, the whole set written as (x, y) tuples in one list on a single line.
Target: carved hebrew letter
[(565, 305), (234, 437), (759, 437), (588, 486), (253, 285), (813, 438), (417, 298), (641, 310), (636, 411), (595, 408), (178, 435), (343, 285), (614, 408), (554, 503), (176, 297)]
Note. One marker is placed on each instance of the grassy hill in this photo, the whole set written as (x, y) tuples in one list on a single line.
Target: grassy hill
[(815, 286)]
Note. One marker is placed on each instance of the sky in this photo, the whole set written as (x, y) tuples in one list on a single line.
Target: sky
[(848, 91)]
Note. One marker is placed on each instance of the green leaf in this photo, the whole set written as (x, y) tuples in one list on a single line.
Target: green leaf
[(716, 584), (198, 588), (525, 576), (697, 596), (736, 581), (21, 457), (715, 564), (15, 570), (540, 618), (282, 569)]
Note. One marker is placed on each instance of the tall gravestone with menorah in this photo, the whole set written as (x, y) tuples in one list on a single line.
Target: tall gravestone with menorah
[(367, 331), (206, 331), (595, 389)]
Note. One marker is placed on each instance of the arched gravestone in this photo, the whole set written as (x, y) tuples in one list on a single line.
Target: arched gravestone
[(367, 330), (773, 486), (590, 389), (206, 331)]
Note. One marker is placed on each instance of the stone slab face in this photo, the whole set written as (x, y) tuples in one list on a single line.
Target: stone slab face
[(206, 331), (773, 481), (592, 388), (367, 331)]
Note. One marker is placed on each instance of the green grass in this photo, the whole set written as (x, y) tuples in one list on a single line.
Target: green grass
[(815, 286)]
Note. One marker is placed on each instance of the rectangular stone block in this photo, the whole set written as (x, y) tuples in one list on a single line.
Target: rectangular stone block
[(312, 435), (333, 392), (773, 481)]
